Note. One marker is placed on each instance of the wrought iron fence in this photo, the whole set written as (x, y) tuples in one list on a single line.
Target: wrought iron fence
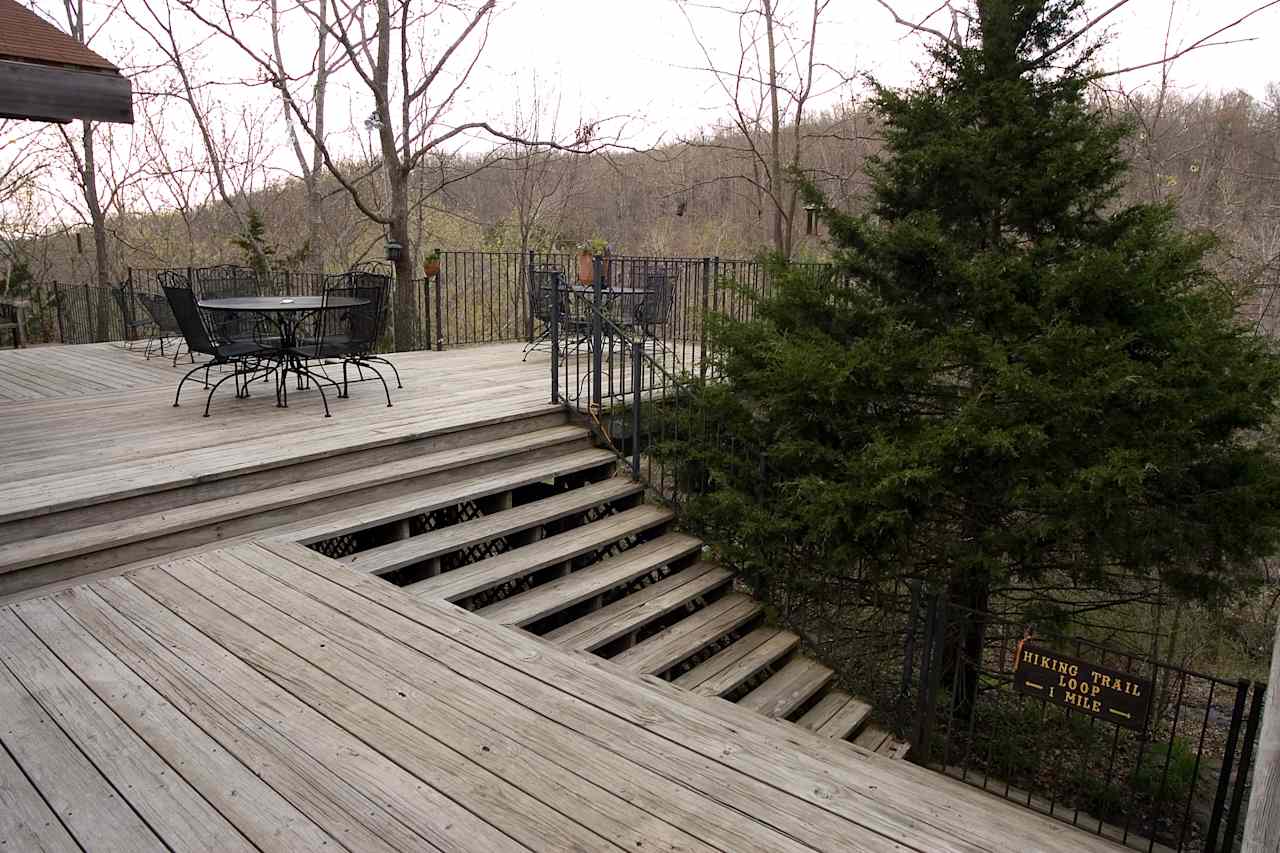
[(1176, 781), (475, 298)]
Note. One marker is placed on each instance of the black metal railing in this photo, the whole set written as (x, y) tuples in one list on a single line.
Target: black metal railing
[(474, 298), (1177, 782)]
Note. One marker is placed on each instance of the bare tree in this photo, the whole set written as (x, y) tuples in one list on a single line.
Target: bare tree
[(409, 108), (769, 89)]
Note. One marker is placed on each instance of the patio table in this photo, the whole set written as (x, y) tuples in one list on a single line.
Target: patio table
[(287, 313)]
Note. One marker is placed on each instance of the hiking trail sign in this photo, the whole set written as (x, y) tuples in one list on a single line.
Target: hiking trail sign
[(1098, 691)]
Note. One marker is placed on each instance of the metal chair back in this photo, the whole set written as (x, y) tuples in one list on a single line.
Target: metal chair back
[(225, 282), (545, 286), (187, 314), (654, 309), (157, 306), (355, 330)]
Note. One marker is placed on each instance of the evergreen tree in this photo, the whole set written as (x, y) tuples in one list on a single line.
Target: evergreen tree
[(1013, 379), (253, 245)]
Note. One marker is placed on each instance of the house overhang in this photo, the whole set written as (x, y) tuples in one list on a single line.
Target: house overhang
[(60, 93)]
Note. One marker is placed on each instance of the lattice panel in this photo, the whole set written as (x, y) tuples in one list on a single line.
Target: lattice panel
[(498, 593), (337, 547), (474, 554), (446, 516)]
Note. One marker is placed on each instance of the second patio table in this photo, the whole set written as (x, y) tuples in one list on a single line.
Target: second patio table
[(287, 313)]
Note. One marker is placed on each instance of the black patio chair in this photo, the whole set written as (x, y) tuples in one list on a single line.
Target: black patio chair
[(545, 286), (246, 358), (165, 323), (134, 325), (350, 335), (225, 282), (647, 310)]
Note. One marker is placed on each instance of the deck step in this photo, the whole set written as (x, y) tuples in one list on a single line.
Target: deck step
[(872, 737), (668, 647), (622, 617), (513, 565), (333, 524), (264, 507), (407, 552), (788, 688), (540, 602), (836, 715), (727, 670)]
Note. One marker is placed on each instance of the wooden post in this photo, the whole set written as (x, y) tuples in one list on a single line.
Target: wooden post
[(1262, 826)]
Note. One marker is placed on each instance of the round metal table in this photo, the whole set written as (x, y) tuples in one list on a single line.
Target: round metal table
[(287, 313)]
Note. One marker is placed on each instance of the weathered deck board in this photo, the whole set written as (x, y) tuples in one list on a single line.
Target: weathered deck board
[(73, 450), (353, 713)]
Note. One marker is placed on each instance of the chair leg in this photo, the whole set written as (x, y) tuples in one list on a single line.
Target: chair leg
[(235, 374), (385, 389), (196, 369), (388, 364)]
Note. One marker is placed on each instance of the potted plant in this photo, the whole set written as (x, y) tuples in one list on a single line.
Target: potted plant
[(586, 255), (431, 263)]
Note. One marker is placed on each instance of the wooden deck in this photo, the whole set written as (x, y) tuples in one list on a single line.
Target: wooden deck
[(76, 446), (264, 697), (241, 691)]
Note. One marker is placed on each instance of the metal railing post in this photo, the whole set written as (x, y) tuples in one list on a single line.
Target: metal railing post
[(702, 318), (426, 308), (57, 305), (1228, 760), (529, 297), (555, 339), (440, 280), (597, 357), (1246, 764), (637, 353)]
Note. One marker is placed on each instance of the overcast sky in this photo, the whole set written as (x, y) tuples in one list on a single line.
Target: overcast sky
[(633, 56), (639, 59)]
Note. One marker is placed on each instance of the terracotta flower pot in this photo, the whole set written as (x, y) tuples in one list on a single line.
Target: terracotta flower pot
[(586, 269), (431, 268)]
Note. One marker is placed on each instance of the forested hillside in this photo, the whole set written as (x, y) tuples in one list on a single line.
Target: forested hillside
[(1215, 157)]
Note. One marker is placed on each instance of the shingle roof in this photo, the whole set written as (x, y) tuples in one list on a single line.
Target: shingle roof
[(26, 37)]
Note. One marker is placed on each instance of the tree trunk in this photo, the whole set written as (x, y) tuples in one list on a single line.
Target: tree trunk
[(968, 596), (101, 258), (780, 241), (406, 303)]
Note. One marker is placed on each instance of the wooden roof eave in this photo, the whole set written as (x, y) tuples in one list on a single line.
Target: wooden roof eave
[(60, 93)]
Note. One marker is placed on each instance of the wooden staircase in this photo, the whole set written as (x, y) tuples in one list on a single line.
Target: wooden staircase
[(60, 541), (568, 550)]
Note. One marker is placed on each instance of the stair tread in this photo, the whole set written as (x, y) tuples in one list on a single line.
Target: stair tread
[(393, 509), (788, 688), (72, 543), (836, 715), (872, 737), (406, 552), (542, 601), (491, 572), (725, 671), (668, 647), (620, 618)]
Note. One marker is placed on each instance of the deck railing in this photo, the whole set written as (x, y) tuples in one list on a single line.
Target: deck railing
[(476, 297), (1177, 780)]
